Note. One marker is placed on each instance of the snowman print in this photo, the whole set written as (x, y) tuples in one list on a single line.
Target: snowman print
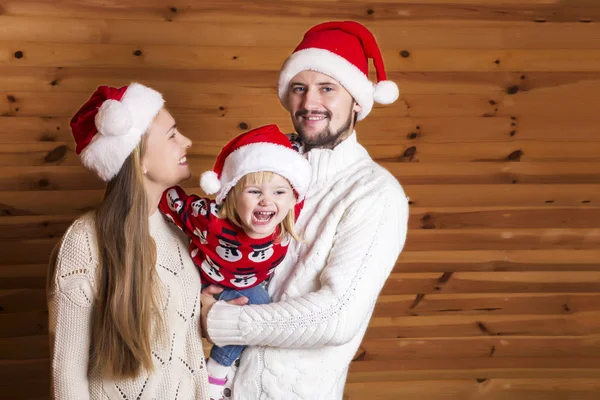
[(228, 249), (262, 252), (199, 207), (173, 200), (214, 209), (201, 235), (243, 281), (211, 269)]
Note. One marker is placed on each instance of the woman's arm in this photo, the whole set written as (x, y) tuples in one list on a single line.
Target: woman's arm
[(70, 297)]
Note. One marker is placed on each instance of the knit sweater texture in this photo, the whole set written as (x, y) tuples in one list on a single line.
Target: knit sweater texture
[(180, 371), (354, 223)]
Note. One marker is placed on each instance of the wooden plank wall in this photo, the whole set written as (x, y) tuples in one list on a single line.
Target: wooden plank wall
[(497, 294)]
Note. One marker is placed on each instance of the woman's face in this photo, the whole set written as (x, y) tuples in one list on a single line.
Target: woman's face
[(164, 160)]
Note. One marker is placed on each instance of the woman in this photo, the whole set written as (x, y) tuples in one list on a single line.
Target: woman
[(123, 292)]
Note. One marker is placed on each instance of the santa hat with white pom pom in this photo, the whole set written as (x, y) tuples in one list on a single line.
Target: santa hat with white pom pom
[(259, 150), (109, 126), (342, 51)]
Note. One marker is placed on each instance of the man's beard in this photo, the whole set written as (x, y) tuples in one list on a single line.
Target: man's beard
[(326, 139)]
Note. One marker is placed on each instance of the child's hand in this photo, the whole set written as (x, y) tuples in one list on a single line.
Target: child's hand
[(207, 300)]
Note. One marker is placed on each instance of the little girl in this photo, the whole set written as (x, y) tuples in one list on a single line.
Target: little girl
[(239, 238)]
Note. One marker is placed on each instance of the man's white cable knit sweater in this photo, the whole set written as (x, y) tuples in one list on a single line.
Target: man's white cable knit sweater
[(180, 371), (354, 222)]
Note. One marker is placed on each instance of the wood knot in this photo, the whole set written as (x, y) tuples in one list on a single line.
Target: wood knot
[(243, 125), (54, 82), (492, 102), (370, 11), (515, 155), (137, 53), (512, 89), (43, 183), (405, 54), (18, 54), (409, 153), (11, 98), (496, 61), (412, 135), (173, 9), (57, 154)]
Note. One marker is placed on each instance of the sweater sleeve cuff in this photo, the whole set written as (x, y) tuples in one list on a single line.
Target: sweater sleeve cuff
[(224, 324)]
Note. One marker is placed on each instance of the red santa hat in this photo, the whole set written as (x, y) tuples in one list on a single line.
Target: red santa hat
[(341, 50), (261, 149), (109, 126)]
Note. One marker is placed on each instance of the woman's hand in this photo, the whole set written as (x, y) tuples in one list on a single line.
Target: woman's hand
[(207, 299)]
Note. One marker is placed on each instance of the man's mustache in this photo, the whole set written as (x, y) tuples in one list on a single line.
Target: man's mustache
[(304, 113)]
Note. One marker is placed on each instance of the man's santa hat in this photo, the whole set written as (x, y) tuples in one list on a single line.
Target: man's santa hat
[(109, 126), (342, 51), (261, 149)]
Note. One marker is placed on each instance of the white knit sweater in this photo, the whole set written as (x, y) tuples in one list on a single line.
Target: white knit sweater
[(354, 222), (180, 371)]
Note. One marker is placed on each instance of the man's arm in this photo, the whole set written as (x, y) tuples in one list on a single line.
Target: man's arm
[(366, 246)]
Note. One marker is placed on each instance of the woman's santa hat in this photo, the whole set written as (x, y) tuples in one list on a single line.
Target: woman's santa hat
[(261, 149), (342, 51), (109, 126)]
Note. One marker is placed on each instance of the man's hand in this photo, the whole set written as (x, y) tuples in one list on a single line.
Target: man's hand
[(207, 301)]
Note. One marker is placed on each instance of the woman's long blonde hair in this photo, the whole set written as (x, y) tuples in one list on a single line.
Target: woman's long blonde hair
[(128, 300), (228, 209)]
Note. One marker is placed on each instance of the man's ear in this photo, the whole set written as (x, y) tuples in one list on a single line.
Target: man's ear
[(357, 107)]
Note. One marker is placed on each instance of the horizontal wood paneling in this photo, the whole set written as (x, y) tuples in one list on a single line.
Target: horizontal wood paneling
[(494, 138)]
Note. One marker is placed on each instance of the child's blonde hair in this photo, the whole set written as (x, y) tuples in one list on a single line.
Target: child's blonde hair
[(228, 209)]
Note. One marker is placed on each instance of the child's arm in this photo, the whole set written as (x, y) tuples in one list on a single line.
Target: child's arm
[(189, 212)]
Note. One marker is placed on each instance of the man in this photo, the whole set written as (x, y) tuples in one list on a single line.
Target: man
[(354, 225)]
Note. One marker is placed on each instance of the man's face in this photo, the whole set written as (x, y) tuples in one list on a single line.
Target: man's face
[(322, 110)]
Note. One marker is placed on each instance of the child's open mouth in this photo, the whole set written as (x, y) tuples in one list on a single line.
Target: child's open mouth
[(262, 217)]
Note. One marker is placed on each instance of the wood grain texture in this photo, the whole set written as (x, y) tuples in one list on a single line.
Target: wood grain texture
[(494, 139)]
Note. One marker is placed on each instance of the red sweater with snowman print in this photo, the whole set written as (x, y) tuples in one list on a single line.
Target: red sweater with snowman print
[(224, 253)]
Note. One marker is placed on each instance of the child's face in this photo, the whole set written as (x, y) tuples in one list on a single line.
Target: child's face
[(262, 206)]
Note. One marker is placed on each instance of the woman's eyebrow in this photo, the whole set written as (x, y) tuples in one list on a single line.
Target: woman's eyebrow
[(171, 128)]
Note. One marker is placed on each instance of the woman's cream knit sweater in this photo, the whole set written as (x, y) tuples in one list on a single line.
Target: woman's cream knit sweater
[(179, 372)]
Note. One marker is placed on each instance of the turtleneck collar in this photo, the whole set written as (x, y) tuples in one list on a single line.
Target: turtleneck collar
[(326, 163)]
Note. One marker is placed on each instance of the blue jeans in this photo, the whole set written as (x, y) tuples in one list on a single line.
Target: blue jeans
[(227, 355)]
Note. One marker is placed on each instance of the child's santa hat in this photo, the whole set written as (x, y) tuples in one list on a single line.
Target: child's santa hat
[(341, 50), (109, 126), (261, 149)]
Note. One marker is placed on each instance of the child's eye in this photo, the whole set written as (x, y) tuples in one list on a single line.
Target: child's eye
[(280, 192), (173, 135), (254, 191)]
